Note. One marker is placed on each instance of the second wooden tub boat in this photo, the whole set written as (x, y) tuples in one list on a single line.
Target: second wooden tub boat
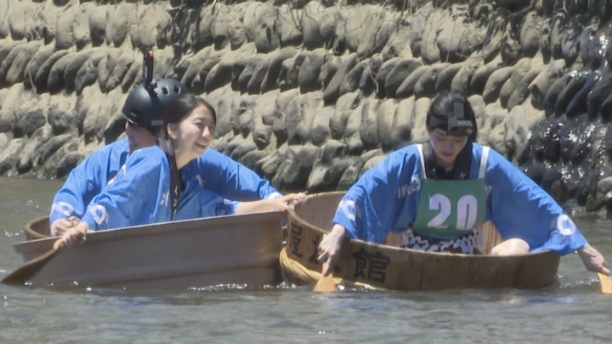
[(226, 250), (391, 267)]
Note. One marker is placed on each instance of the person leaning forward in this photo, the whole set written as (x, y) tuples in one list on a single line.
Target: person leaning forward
[(438, 193), (143, 110)]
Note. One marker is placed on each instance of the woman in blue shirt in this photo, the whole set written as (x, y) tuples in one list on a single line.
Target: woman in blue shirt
[(438, 193)]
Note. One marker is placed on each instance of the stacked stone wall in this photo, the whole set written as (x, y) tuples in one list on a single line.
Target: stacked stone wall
[(310, 94)]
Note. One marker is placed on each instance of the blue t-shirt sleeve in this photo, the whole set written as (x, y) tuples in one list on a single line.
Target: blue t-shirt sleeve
[(138, 195), (230, 179), (519, 208), (87, 180), (384, 199)]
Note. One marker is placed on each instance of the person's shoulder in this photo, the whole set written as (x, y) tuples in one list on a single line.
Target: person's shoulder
[(212, 156), (148, 152), (404, 154)]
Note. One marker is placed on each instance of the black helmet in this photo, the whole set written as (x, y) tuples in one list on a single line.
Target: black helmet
[(144, 106)]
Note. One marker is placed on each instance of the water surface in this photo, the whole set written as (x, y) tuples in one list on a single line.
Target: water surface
[(572, 311)]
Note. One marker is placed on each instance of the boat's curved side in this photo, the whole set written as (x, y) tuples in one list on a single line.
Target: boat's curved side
[(404, 269), (239, 249), (38, 229)]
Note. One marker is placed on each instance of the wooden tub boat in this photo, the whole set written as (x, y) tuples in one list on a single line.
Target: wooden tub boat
[(391, 267), (226, 250)]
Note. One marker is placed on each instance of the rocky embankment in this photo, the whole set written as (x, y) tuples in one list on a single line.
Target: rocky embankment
[(312, 93)]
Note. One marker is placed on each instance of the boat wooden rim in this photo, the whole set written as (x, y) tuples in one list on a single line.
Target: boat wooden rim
[(171, 255), (400, 268)]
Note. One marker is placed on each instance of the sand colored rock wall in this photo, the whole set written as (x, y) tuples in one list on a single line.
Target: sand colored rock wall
[(312, 93)]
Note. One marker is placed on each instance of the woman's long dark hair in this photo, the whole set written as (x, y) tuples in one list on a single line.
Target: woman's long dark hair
[(182, 107), (442, 107)]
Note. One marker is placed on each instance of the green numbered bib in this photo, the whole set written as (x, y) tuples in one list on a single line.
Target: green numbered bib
[(450, 209)]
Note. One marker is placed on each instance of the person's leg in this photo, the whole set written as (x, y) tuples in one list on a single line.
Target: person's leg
[(511, 247)]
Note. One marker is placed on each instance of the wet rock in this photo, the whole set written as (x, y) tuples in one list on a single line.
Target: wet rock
[(578, 104), (259, 20), (381, 76), (72, 69), (280, 110), (495, 33), (530, 36), (219, 76), (35, 63), (318, 25), (69, 162), (53, 162), (398, 74), (287, 25), (494, 84), (308, 71), (320, 130), (80, 25), (519, 71), (61, 113), (545, 29), (403, 122), (8, 116), (332, 91), (426, 86), (299, 116), (269, 81), (429, 52), (600, 91), (122, 65), (331, 64), (36, 140), (17, 14), (97, 26), (445, 77), (42, 75), (396, 46), (55, 81), (520, 94), (15, 73), (293, 172), (481, 75), (368, 29), (9, 155), (31, 113), (350, 83), (418, 24), (344, 106), (458, 36), (461, 81), (253, 63), (510, 49), (368, 130), (540, 85), (536, 172), (8, 59), (406, 89)]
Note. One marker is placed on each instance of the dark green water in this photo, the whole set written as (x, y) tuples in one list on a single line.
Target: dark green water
[(574, 311)]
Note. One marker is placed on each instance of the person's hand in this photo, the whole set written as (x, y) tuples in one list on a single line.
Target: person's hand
[(73, 236), (282, 203), (593, 260), (330, 247), (59, 227)]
